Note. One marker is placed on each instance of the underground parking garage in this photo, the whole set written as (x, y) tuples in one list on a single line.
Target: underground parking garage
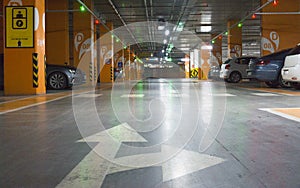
[(150, 93)]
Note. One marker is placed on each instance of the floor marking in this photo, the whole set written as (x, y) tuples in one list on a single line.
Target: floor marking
[(266, 94), (87, 95), (288, 113), (175, 95), (25, 103), (93, 168), (222, 95), (277, 91), (185, 162), (133, 96), (93, 165)]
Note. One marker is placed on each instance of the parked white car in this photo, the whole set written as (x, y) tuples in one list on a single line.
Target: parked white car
[(234, 70), (291, 69)]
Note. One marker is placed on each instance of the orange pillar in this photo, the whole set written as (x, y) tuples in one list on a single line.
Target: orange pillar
[(106, 54), (57, 32), (234, 39), (84, 37), (205, 57), (280, 31), (217, 51), (24, 50), (1, 29)]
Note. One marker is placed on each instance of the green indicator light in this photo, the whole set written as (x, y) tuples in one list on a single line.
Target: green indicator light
[(180, 24), (226, 33), (117, 40), (213, 41), (82, 9), (240, 25)]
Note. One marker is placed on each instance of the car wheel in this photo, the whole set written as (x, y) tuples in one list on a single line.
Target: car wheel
[(295, 85), (272, 84), (283, 83), (57, 80), (235, 77)]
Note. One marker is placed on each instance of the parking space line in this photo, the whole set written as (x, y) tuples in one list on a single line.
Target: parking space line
[(288, 113), (277, 91)]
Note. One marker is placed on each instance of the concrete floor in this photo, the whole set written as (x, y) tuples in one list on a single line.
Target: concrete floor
[(156, 133)]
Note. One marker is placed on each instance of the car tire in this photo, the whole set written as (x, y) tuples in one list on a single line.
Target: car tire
[(283, 83), (235, 77), (295, 85), (57, 80), (272, 84)]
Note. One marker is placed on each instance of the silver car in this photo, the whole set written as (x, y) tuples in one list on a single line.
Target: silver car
[(235, 69)]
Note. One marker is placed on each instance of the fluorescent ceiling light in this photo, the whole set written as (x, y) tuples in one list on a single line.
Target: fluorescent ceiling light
[(206, 28), (167, 32), (185, 59), (206, 47), (161, 27)]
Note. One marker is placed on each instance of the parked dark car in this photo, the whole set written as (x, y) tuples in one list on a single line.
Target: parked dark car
[(62, 77), (268, 69), (58, 76)]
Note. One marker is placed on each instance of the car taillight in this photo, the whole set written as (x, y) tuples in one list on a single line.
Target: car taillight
[(262, 63), (227, 66)]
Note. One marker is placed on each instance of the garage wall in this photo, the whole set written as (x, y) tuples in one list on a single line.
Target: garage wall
[(280, 31)]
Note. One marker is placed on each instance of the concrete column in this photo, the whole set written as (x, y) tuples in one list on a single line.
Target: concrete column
[(84, 37), (205, 58), (234, 39), (24, 50), (106, 54), (216, 51), (57, 32), (279, 30)]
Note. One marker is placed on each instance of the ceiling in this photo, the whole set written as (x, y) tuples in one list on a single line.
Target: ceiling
[(189, 14)]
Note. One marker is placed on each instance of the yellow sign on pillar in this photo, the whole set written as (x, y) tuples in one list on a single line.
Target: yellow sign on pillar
[(24, 73), (19, 27)]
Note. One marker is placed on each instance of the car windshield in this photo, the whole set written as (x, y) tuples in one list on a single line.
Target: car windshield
[(227, 61), (295, 50)]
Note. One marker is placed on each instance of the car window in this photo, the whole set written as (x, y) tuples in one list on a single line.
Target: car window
[(244, 61), (227, 61), (295, 51)]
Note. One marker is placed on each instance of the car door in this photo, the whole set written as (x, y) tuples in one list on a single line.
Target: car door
[(244, 64)]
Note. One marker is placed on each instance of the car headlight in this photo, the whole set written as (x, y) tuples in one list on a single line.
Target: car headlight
[(72, 71)]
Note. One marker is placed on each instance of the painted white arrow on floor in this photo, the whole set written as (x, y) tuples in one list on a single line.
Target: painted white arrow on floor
[(91, 171), (185, 162)]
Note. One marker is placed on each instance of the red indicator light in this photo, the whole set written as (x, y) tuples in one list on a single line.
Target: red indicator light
[(97, 22), (253, 16), (275, 2)]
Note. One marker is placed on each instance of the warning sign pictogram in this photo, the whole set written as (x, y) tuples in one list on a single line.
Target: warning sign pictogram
[(19, 27)]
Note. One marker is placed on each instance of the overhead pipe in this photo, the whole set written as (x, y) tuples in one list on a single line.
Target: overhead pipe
[(124, 23), (277, 13), (149, 28), (247, 16)]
